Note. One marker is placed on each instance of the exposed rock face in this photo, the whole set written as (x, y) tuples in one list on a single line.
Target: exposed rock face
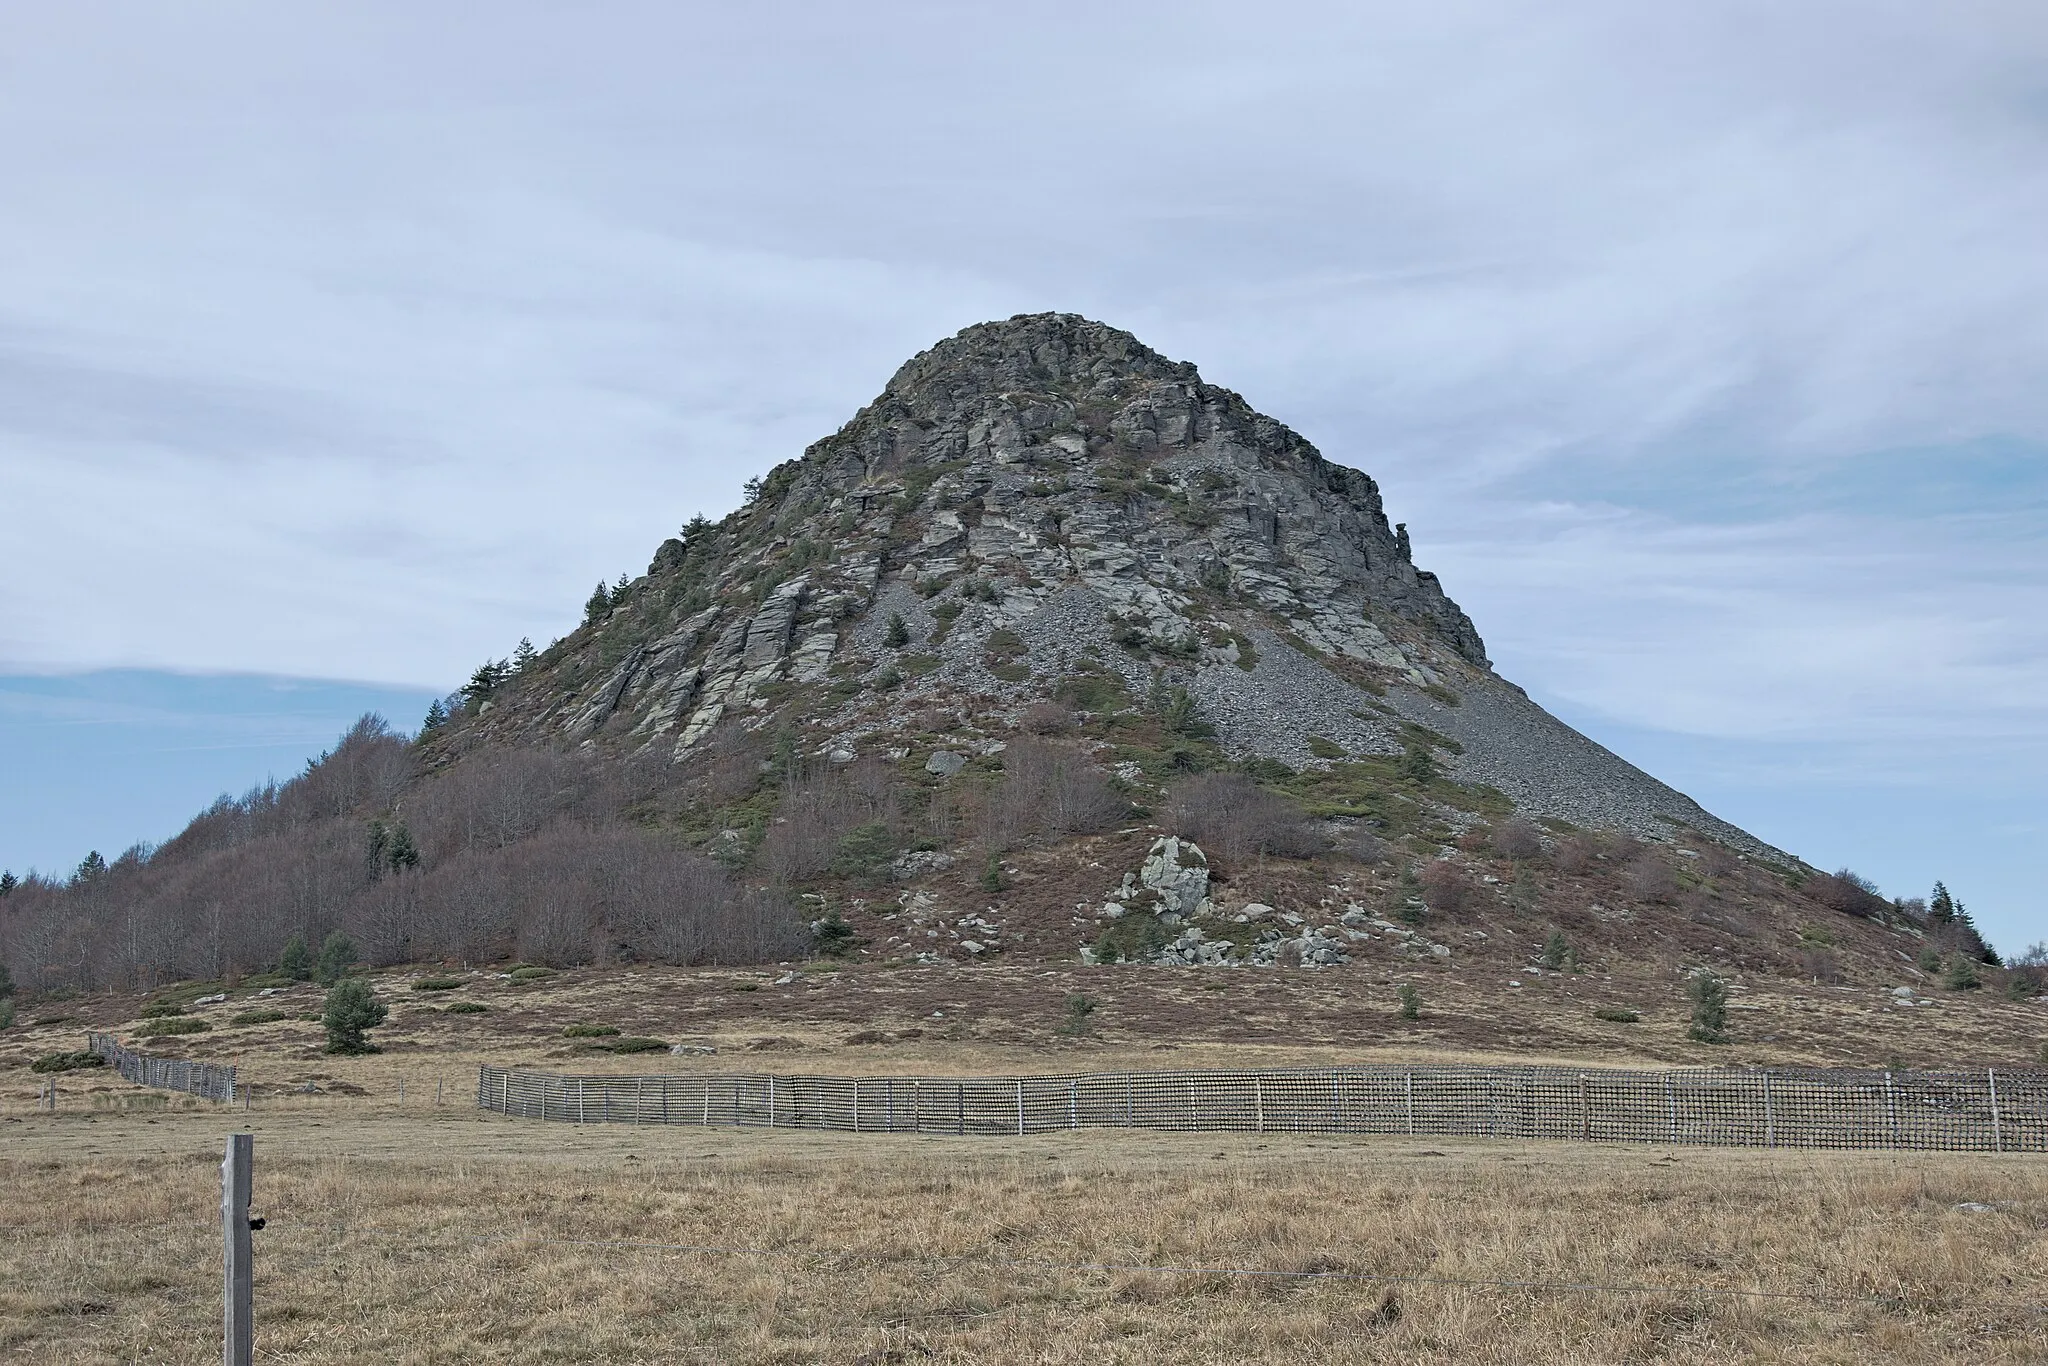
[(1046, 497)]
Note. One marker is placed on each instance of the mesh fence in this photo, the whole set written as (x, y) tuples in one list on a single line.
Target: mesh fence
[(209, 1080), (1987, 1111)]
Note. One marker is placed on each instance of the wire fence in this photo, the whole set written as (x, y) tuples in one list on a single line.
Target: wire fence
[(1988, 1111), (212, 1081)]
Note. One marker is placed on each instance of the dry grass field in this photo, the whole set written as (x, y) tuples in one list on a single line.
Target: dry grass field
[(405, 1226), (416, 1234)]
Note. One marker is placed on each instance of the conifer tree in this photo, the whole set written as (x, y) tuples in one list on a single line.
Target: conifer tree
[(1941, 907), (351, 1009), (437, 717), (898, 634), (402, 853), (1709, 997), (599, 605), (8, 882), (523, 657), (296, 962), (1417, 764), (337, 956)]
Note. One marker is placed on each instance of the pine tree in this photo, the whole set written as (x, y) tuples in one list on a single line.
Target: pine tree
[(898, 634), (483, 685), (1417, 764), (523, 657), (337, 956), (1411, 1001), (437, 717), (352, 1008), (1556, 951), (402, 853), (750, 492), (619, 590), (599, 605), (8, 882), (380, 848), (1709, 997), (296, 962), (1941, 907), (90, 868)]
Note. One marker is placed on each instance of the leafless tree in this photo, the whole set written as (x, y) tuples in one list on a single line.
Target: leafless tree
[(1517, 838), (1235, 820), (1446, 889)]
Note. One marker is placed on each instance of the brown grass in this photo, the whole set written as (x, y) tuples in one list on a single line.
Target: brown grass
[(427, 1239)]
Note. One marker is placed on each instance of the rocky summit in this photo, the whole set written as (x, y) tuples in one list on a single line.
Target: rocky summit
[(1045, 510)]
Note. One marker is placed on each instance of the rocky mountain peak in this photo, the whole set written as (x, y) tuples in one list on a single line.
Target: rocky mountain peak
[(1045, 508)]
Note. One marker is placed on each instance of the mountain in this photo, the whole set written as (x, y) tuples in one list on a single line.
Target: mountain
[(1046, 500), (1053, 654)]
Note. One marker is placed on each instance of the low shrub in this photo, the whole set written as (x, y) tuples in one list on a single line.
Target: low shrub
[(161, 1010), (530, 974), (632, 1043), (1136, 937), (159, 1028), (437, 984), (1446, 888), (1616, 1015), (589, 1031), (67, 1062), (258, 1017), (466, 1008), (1079, 1008)]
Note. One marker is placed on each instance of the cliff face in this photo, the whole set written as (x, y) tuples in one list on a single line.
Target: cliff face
[(1045, 500)]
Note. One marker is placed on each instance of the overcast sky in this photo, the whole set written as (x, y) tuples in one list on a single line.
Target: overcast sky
[(1702, 347)]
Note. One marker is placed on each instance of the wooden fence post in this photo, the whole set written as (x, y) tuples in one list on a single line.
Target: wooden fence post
[(1997, 1127), (238, 1337), (1770, 1114)]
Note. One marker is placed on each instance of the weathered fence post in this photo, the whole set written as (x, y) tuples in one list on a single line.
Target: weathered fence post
[(1585, 1110), (238, 1324), (1997, 1127), (1408, 1100), (1020, 1107), (1891, 1108), (1770, 1115), (1258, 1103)]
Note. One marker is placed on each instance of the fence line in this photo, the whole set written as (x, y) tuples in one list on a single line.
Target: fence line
[(211, 1081), (1987, 1111)]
